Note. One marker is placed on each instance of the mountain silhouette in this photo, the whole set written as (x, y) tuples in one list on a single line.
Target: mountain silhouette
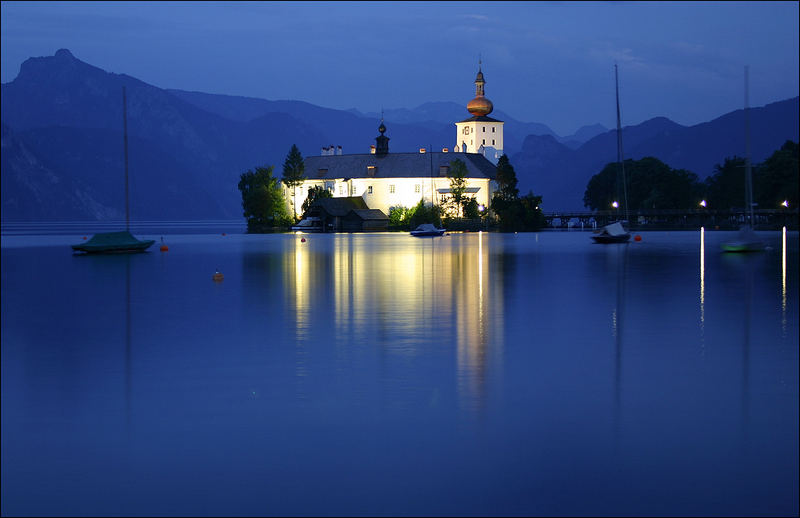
[(63, 158)]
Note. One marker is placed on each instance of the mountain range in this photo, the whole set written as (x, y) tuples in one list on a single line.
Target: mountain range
[(62, 144)]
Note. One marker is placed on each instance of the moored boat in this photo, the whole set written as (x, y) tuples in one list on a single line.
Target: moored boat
[(613, 233), (113, 242), (427, 230)]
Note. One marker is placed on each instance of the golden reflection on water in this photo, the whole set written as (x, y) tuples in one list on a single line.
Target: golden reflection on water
[(401, 294), (783, 282), (702, 289)]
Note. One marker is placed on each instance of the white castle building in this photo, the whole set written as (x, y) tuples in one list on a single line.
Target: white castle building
[(386, 180)]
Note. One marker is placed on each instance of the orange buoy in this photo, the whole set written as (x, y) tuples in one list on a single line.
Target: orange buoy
[(217, 276), (164, 248), (637, 237), (302, 240), (84, 237)]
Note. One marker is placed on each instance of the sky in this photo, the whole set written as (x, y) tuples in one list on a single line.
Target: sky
[(546, 62)]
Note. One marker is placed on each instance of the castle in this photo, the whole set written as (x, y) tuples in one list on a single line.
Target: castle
[(384, 179)]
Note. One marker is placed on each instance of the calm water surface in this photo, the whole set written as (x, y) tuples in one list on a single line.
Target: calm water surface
[(380, 374)]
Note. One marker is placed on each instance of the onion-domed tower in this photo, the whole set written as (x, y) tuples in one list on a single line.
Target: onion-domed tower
[(480, 133)]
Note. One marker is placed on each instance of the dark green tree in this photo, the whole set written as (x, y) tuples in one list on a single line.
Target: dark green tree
[(471, 210), (725, 189), (776, 179), (515, 213), (652, 184), (506, 180), (458, 184), (423, 213), (263, 204), (293, 173), (316, 192)]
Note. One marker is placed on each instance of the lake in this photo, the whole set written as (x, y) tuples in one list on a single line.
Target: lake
[(381, 374)]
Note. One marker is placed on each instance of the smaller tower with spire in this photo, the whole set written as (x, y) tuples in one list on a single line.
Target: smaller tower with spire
[(382, 141)]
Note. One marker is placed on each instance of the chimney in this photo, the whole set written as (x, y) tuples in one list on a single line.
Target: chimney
[(422, 150), (445, 150), (338, 150), (372, 150)]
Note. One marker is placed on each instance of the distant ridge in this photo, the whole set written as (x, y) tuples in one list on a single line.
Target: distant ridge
[(62, 151)]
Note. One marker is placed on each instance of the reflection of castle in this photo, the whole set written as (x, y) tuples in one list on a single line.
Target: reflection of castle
[(385, 179), (403, 301)]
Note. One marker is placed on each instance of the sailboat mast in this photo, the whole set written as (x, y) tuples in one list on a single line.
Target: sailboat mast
[(125, 141), (748, 172), (620, 155)]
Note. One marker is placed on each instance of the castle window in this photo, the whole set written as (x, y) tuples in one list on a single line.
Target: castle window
[(371, 170), (443, 170), (493, 142), (492, 129), (352, 190), (483, 142), (484, 129), (341, 190), (391, 189), (416, 187), (466, 130), (369, 189)]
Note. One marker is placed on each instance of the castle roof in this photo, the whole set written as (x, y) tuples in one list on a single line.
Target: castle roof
[(394, 165)]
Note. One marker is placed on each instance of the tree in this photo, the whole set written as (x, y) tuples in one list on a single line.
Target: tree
[(471, 209), (726, 188), (458, 183), (776, 179), (262, 201), (515, 213), (293, 173), (316, 192), (423, 213), (652, 184), (506, 179)]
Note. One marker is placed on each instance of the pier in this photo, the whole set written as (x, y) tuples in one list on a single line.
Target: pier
[(731, 219)]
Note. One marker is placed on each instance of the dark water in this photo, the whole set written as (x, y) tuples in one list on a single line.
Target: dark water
[(380, 374)]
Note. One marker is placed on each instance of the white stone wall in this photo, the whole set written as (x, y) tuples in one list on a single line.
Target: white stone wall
[(475, 134), (390, 192)]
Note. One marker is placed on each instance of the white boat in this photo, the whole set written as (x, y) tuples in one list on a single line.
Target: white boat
[(613, 233), (310, 224), (427, 230)]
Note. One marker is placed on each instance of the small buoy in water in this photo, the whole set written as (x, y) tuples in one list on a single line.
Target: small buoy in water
[(84, 237), (302, 240), (217, 276), (164, 247), (637, 237), (223, 233)]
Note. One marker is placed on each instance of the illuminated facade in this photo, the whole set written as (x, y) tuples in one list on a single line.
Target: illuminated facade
[(385, 180)]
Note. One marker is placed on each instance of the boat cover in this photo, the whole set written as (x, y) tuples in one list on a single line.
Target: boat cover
[(113, 241)]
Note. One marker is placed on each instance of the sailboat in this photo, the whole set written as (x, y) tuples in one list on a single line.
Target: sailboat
[(746, 240), (616, 232), (121, 241)]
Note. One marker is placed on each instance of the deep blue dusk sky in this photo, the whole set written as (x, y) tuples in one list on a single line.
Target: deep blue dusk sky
[(548, 62)]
